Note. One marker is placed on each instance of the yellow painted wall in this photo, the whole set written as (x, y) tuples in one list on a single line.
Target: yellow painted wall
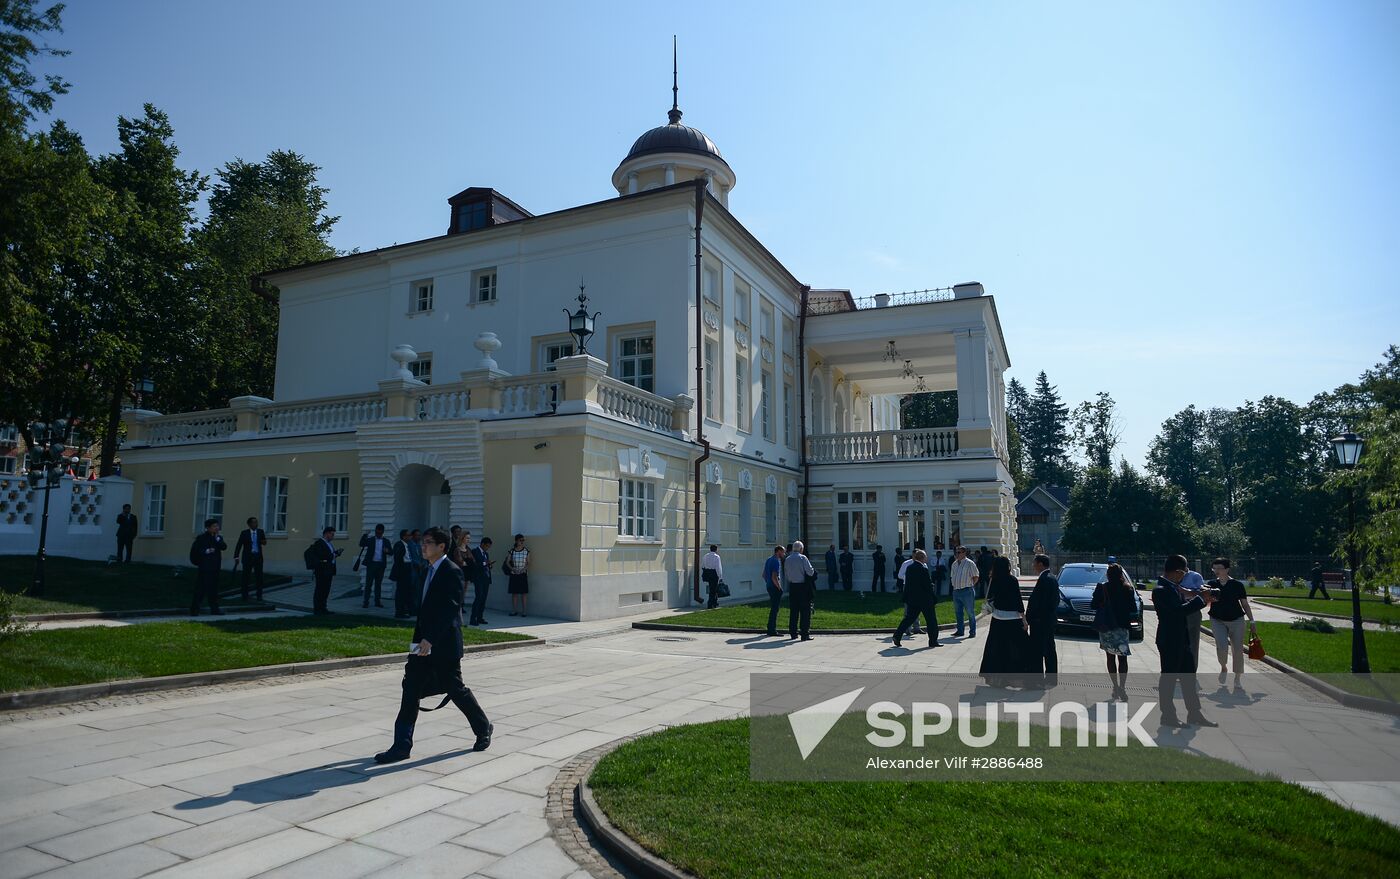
[(243, 486), (556, 552)]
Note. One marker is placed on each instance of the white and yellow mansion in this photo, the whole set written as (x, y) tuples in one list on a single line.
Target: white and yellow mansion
[(435, 382)]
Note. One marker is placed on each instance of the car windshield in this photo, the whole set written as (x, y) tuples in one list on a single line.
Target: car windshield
[(1083, 576)]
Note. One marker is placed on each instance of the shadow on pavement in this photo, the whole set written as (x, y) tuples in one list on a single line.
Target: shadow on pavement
[(304, 783)]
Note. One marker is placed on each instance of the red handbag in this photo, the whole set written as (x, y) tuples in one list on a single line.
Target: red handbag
[(1255, 650)]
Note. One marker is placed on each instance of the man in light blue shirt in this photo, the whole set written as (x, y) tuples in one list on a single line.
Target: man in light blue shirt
[(1191, 585)]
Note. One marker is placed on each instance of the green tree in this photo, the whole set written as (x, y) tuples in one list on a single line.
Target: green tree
[(143, 285), (935, 409), (1185, 455), (1044, 429), (1104, 504), (1222, 539), (21, 95), (262, 216), (1096, 430)]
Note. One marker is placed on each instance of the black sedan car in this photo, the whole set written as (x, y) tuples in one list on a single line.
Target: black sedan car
[(1076, 610)]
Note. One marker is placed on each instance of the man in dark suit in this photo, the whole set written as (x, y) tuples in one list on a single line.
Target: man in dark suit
[(918, 599), (323, 555), (1318, 582), (1174, 608), (1040, 615), (377, 551), (126, 533), (877, 562), (481, 580), (207, 555), (401, 575), (248, 552), (832, 571), (437, 640), (848, 568)]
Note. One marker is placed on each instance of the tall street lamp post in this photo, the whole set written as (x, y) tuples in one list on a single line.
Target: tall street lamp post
[(1135, 543), (1348, 448), (46, 462)]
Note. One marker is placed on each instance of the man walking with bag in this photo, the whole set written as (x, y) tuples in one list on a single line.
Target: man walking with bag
[(435, 663)]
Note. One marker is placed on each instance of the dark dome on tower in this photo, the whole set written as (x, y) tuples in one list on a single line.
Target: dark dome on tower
[(674, 138)]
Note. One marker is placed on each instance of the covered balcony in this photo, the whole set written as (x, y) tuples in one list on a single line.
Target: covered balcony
[(863, 355)]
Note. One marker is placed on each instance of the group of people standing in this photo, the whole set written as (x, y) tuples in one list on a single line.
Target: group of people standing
[(403, 561)]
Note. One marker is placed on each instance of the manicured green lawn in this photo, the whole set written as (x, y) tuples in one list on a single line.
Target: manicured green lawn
[(61, 657), (1372, 609), (79, 586), (1330, 656), (831, 610), (686, 795)]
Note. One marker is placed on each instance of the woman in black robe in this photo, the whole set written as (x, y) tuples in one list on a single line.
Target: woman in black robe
[(1004, 657)]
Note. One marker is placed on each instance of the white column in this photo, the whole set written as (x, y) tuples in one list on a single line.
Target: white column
[(974, 379), (670, 174), (631, 182)]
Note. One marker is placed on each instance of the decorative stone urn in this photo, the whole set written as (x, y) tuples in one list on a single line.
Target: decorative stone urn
[(403, 355), (487, 344)]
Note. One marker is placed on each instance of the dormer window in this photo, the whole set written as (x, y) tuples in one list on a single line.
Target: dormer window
[(473, 216)]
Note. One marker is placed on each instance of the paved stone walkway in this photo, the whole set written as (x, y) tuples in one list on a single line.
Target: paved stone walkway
[(276, 778)]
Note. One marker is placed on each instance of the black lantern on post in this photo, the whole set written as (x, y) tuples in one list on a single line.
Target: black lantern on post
[(1347, 448), (46, 461), (580, 323), (141, 387)]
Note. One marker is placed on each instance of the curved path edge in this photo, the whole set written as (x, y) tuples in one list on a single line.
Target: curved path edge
[(83, 692), (740, 630), (1351, 700), (584, 831)]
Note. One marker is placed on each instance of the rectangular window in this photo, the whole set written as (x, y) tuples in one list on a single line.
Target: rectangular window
[(745, 516), (789, 338), (636, 509), (765, 404), (484, 283), (636, 362), (154, 508), (765, 321), (423, 295), (741, 393), (7, 464), (794, 522), (712, 284), (274, 504), (422, 368), (770, 518), (335, 504), (552, 351), (9, 434), (741, 303), (710, 380), (787, 414), (208, 502)]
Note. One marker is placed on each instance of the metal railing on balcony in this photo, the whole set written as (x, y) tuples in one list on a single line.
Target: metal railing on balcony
[(882, 445), (836, 305)]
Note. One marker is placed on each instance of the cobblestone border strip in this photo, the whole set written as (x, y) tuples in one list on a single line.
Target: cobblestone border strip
[(1351, 700), (84, 692), (735, 630), (585, 833)]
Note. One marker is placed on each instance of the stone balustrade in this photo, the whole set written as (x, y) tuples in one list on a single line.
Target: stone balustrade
[(626, 403), (196, 427), (444, 402), (322, 416), (883, 445)]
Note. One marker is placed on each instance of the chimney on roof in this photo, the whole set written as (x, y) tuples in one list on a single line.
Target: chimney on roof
[(967, 290)]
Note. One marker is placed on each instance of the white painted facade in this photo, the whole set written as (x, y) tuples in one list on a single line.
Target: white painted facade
[(512, 438)]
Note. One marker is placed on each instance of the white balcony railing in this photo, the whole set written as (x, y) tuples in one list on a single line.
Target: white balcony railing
[(332, 416), (529, 395), (884, 445), (444, 403), (202, 427), (626, 403)]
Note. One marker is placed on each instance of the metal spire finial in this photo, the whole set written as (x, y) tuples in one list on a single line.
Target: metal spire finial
[(675, 114)]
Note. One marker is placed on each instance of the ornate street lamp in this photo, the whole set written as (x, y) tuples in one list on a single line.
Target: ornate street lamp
[(142, 387), (580, 324), (46, 462), (1347, 448)]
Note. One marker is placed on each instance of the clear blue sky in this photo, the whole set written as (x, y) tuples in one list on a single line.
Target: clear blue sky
[(1173, 202)]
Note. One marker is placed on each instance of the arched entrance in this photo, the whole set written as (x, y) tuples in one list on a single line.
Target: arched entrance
[(422, 498)]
